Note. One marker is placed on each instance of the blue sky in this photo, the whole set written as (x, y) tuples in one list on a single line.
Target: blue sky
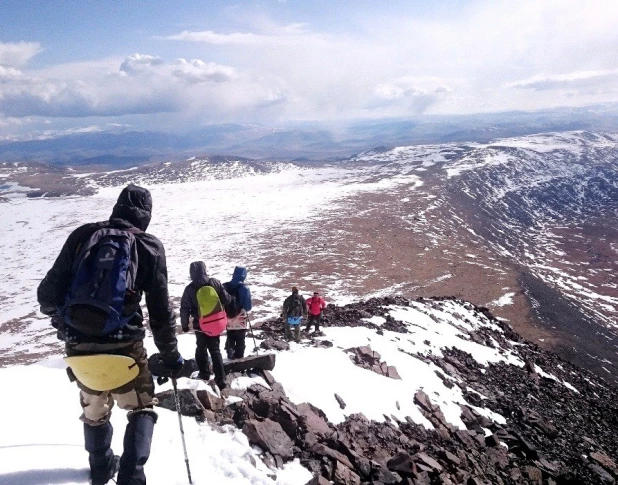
[(86, 65)]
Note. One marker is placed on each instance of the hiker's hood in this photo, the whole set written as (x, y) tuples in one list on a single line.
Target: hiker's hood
[(198, 273), (134, 205), (240, 273)]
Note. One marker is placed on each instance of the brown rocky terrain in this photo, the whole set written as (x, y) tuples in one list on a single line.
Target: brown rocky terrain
[(553, 434)]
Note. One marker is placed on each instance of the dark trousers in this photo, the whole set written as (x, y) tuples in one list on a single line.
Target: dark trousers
[(137, 441), (313, 319), (212, 344), (235, 344)]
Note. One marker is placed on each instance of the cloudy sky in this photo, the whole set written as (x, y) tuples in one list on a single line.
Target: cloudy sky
[(75, 65)]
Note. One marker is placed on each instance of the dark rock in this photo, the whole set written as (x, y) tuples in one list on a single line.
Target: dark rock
[(320, 449), (345, 476), (190, 405), (269, 436), (548, 467), (340, 401), (428, 461), (261, 361), (362, 466), (314, 420), (271, 344), (605, 461), (367, 358), (268, 377), (450, 457), (209, 400), (381, 474), (602, 474), (402, 463), (533, 475), (475, 481), (492, 440)]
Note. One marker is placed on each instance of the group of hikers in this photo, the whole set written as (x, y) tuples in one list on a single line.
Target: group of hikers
[(295, 307), (92, 294)]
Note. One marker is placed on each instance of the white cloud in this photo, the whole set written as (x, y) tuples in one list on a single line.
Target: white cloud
[(211, 37), (139, 63), (198, 71), (273, 34), (140, 84), (484, 56), (416, 94), (578, 79), (475, 57), (15, 54)]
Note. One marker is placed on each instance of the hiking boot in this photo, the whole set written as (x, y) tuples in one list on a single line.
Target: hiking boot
[(101, 477), (221, 385), (203, 376)]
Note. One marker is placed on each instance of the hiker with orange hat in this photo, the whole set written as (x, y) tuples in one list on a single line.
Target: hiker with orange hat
[(315, 304), (294, 307)]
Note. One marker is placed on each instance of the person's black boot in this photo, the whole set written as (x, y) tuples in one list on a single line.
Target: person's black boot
[(103, 463), (137, 441)]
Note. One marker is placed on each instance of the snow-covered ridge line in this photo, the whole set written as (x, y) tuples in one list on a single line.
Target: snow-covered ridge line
[(426, 340)]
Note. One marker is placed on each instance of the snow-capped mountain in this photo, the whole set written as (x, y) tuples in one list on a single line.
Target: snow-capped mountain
[(524, 227)]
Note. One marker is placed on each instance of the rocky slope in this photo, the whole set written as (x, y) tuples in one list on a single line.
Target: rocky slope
[(544, 422)]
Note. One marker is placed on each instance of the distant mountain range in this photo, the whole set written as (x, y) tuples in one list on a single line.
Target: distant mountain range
[(122, 148)]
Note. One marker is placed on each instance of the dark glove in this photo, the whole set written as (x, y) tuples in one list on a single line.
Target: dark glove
[(49, 310), (164, 367), (56, 321)]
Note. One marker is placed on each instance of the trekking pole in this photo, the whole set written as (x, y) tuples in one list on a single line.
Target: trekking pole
[(255, 346), (182, 431)]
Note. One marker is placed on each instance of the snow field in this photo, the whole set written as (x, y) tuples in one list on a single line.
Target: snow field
[(314, 375), (42, 439)]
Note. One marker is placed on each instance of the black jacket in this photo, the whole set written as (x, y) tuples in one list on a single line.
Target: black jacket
[(287, 305), (188, 303), (132, 210)]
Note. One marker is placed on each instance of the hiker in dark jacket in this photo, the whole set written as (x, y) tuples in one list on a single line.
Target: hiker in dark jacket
[(294, 307), (189, 307), (131, 212), (237, 318)]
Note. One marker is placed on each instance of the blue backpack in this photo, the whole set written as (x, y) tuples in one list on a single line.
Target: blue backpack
[(102, 298)]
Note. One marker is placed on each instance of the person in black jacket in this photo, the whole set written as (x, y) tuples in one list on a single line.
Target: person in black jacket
[(189, 307), (131, 212)]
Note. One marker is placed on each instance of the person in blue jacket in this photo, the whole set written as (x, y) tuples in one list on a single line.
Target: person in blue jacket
[(237, 316)]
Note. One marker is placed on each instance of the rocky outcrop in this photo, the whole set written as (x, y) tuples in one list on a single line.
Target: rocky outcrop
[(370, 359), (558, 431)]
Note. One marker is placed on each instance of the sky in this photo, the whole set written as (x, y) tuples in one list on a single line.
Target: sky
[(173, 66)]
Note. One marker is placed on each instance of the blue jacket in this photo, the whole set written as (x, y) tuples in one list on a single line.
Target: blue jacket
[(237, 288)]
